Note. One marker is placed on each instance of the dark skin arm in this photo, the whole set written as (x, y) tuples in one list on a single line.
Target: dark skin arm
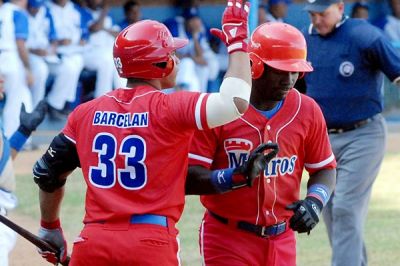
[(198, 181), (50, 203), (326, 177)]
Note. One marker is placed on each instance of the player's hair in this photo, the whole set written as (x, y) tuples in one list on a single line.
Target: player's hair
[(129, 4)]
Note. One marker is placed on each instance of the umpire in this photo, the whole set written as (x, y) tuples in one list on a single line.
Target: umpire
[(349, 57)]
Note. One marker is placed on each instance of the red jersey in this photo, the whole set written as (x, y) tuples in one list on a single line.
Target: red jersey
[(132, 146), (299, 129)]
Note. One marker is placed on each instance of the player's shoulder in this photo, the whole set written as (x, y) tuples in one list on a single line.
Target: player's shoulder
[(307, 103), (362, 32)]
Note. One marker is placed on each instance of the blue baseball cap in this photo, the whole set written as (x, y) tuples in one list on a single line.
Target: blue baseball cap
[(35, 3), (319, 6), (274, 2), (191, 12)]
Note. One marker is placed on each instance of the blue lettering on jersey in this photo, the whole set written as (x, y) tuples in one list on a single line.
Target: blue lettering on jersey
[(121, 120), (236, 159), (281, 166)]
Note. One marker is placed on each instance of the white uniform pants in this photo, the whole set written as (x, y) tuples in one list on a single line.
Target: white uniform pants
[(101, 61), (40, 71), (16, 90), (66, 80)]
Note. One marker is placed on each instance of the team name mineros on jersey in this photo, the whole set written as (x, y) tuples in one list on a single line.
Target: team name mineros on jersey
[(121, 120), (238, 151), (281, 166)]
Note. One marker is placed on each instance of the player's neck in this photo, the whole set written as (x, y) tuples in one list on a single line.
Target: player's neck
[(132, 83)]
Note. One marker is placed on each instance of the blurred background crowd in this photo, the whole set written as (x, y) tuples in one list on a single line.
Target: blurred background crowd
[(61, 50)]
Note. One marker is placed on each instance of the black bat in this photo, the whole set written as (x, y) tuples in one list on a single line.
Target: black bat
[(34, 239)]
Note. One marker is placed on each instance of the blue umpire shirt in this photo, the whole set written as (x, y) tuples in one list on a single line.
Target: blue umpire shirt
[(347, 81)]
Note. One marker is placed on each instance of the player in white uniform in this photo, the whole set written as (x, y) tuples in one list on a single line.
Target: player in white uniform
[(99, 49), (199, 64), (16, 71), (8, 151), (42, 46), (70, 31)]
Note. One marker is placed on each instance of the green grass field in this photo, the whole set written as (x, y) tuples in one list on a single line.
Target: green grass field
[(382, 229)]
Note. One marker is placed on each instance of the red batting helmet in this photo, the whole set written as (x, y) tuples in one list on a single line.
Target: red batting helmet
[(143, 50), (279, 45)]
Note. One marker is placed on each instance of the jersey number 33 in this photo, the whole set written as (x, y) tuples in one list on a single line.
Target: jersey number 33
[(132, 176)]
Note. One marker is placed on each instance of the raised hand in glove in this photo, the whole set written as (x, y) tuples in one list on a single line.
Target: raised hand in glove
[(30, 121), (245, 174), (305, 216), (234, 31), (53, 234)]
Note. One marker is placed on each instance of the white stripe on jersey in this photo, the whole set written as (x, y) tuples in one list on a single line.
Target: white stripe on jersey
[(320, 164), (71, 139), (197, 113), (200, 158)]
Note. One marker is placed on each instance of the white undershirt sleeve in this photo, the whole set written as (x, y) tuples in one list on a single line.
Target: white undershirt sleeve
[(220, 107)]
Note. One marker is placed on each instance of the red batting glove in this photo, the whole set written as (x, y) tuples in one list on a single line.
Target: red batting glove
[(53, 233), (234, 31)]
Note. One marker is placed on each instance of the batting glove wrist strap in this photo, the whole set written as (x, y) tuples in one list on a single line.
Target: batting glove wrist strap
[(51, 225), (234, 33)]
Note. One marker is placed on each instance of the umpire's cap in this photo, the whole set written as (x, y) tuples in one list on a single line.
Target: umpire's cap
[(319, 6)]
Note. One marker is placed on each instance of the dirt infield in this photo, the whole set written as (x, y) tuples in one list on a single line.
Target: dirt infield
[(24, 253)]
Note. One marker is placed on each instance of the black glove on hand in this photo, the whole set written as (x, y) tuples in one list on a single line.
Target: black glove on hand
[(306, 214), (30, 121), (246, 173)]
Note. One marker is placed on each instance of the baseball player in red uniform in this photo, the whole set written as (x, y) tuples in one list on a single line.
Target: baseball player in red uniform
[(255, 225), (132, 145)]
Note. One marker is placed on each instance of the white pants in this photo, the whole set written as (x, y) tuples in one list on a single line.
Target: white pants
[(101, 61), (16, 90), (40, 71), (196, 76), (66, 80), (187, 75), (7, 242), (7, 236)]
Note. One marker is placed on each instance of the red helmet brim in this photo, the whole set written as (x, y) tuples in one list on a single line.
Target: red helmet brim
[(180, 42), (291, 65)]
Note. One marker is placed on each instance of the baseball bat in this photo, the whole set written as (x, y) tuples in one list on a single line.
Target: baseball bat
[(34, 239)]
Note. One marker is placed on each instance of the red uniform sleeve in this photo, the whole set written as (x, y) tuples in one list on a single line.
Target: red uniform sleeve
[(319, 153), (186, 109), (203, 147)]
